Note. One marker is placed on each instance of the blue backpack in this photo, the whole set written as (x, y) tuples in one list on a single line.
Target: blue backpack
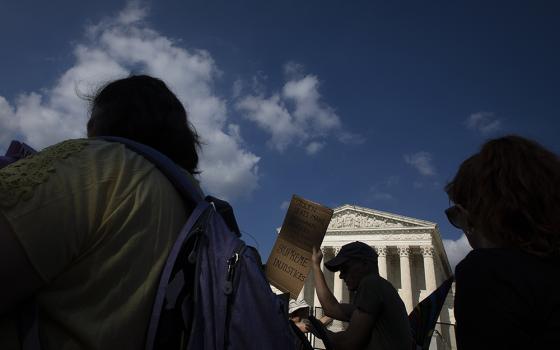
[(213, 293)]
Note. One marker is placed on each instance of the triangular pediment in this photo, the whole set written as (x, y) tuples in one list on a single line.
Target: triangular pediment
[(353, 217)]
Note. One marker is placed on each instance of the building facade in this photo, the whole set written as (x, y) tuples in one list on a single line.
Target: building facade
[(411, 257)]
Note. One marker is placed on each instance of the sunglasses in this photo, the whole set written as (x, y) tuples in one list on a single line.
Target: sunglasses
[(457, 216)]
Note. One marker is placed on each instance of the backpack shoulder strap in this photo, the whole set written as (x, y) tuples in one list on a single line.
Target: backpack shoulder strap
[(191, 193), (197, 206), (226, 212)]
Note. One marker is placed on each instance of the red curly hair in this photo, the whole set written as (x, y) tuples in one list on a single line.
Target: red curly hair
[(511, 190)]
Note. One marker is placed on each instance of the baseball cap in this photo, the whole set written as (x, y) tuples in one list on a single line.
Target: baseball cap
[(354, 250), (296, 305)]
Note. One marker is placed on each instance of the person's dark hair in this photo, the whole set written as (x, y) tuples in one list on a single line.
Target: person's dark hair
[(143, 109), (511, 191)]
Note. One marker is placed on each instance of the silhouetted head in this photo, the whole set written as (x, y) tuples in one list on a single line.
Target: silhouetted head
[(298, 310), (143, 109), (508, 195), (355, 261)]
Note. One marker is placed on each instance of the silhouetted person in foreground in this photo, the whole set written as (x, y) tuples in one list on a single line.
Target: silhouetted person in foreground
[(377, 317), (86, 225), (507, 201)]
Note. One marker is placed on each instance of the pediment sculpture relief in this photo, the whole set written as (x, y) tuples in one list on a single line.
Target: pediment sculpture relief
[(360, 220)]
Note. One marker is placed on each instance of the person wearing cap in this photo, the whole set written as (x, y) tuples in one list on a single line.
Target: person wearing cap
[(377, 316), (299, 314)]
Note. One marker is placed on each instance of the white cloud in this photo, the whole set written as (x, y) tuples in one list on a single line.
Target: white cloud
[(314, 147), (234, 131), (113, 48), (484, 122), (456, 250), (296, 115), (271, 115), (293, 70), (309, 111), (350, 138), (8, 123), (422, 161), (133, 12), (237, 88)]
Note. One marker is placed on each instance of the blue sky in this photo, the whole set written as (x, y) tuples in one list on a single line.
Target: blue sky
[(372, 103)]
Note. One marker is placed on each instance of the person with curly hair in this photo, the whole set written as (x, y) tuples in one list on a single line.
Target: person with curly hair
[(507, 201)]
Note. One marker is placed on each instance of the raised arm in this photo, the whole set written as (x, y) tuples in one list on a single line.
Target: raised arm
[(356, 335), (331, 306)]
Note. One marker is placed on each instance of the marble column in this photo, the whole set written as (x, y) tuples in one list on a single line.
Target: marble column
[(406, 282), (429, 268), (338, 286), (337, 282), (301, 295), (382, 261)]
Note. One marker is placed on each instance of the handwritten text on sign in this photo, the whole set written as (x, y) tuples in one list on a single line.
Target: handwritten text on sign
[(304, 227), (290, 260)]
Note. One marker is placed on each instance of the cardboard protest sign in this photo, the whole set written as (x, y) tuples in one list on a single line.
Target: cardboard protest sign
[(304, 227)]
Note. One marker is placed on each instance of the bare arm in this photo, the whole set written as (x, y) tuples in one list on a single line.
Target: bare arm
[(326, 320), (331, 306), (18, 277), (356, 335)]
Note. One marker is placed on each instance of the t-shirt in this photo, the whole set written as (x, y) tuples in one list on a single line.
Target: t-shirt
[(96, 221), (507, 299), (391, 330)]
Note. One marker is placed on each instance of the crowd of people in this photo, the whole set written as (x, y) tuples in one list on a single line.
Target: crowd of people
[(86, 226)]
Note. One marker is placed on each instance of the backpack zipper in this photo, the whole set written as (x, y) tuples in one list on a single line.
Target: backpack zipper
[(228, 287), (231, 263)]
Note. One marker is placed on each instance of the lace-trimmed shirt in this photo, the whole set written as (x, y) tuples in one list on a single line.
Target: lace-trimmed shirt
[(96, 221)]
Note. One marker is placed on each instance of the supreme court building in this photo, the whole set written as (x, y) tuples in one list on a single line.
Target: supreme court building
[(411, 257)]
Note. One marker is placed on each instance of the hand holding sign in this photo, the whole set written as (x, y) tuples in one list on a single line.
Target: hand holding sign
[(304, 227), (317, 256)]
